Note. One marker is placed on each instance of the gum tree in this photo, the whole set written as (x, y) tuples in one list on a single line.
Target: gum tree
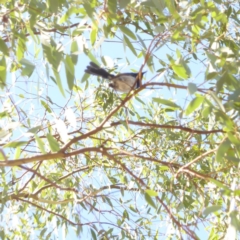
[(78, 158)]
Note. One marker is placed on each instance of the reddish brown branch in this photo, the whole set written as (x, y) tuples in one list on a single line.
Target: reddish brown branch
[(48, 181), (186, 129), (73, 172), (142, 183)]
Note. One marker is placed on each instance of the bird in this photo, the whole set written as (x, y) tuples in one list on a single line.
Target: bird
[(123, 82)]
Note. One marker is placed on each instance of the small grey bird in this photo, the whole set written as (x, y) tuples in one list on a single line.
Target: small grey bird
[(122, 82)]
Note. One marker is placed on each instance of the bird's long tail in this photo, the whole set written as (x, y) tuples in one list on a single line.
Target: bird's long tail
[(94, 69)]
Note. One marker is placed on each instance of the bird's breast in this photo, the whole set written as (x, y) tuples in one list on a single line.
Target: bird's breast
[(122, 83)]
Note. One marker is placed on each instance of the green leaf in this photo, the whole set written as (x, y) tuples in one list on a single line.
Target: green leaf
[(226, 189), (93, 35), (53, 55), (53, 143), (88, 9), (180, 68), (167, 103), (233, 159), (90, 55), (233, 137), (222, 150), (68, 14), (3, 47), (15, 144), (53, 5), (124, 3), (172, 9), (217, 100), (192, 88), (45, 105), (151, 193), (34, 129), (2, 115), (142, 42), (129, 44), (126, 215), (149, 200), (211, 72), (17, 153), (225, 120), (2, 233), (74, 52), (3, 72), (2, 156), (94, 236), (148, 3), (59, 82), (227, 80), (206, 111), (140, 100), (28, 67), (70, 71), (194, 104), (112, 6), (21, 47), (43, 231), (236, 192), (128, 32), (196, 30), (177, 35), (234, 220), (64, 18), (211, 209), (40, 143), (235, 96), (160, 5)]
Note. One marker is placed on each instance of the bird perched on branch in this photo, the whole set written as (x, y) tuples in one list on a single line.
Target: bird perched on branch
[(123, 82)]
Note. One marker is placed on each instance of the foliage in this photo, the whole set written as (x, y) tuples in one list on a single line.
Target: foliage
[(79, 157)]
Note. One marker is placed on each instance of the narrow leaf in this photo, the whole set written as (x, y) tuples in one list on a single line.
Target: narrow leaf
[(40, 144), (45, 105), (3, 47), (74, 51), (128, 32), (220, 185), (149, 200), (34, 129), (70, 71), (94, 236), (53, 5), (3, 72), (222, 150), (151, 193), (21, 47), (211, 209), (28, 67), (129, 44), (53, 143), (180, 68), (112, 6), (17, 153), (124, 3), (167, 103), (194, 104), (93, 35), (59, 82), (15, 144)]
